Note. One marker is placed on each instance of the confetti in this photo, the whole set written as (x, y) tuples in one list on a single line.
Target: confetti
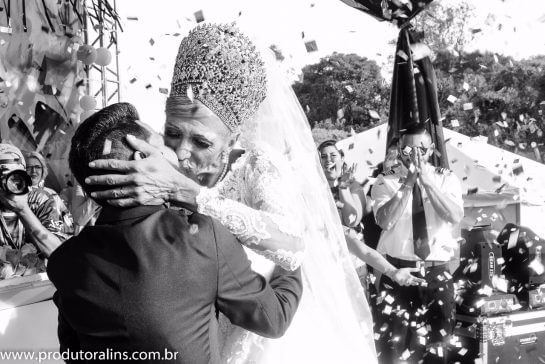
[(537, 266), (132, 18), (452, 99), (193, 229), (311, 46), (468, 106), (199, 16), (107, 147), (151, 41), (389, 299), (518, 170), (373, 114), (402, 55), (163, 90), (454, 123)]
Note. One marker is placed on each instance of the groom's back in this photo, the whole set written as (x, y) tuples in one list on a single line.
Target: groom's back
[(142, 280)]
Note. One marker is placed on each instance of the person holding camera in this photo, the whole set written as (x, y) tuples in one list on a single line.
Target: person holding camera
[(418, 207), (30, 224)]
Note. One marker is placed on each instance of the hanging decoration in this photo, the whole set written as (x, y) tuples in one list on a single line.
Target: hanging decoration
[(88, 103), (414, 87), (104, 57), (87, 54), (43, 59)]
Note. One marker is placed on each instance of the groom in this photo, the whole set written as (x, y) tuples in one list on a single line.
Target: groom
[(147, 282)]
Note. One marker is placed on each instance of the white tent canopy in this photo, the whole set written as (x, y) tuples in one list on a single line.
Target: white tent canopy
[(502, 186)]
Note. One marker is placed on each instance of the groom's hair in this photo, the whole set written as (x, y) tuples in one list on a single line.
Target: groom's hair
[(102, 136)]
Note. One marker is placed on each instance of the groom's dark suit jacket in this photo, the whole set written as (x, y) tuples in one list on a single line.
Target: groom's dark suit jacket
[(152, 279)]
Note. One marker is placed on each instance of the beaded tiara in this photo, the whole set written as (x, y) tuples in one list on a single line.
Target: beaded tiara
[(222, 69)]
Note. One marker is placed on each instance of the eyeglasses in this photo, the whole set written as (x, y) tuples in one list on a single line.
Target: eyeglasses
[(34, 168), (408, 149)]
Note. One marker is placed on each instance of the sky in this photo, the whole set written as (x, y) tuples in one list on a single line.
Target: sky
[(148, 46)]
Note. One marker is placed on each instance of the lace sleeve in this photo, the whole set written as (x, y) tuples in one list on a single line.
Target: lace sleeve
[(257, 204)]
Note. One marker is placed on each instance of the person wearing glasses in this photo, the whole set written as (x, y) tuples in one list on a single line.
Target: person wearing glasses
[(345, 190), (36, 167), (418, 207), (30, 227)]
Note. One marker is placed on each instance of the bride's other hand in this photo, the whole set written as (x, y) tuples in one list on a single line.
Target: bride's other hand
[(151, 179), (403, 277)]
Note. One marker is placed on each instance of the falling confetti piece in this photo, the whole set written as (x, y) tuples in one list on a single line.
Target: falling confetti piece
[(468, 106), (193, 229), (107, 147), (373, 114), (454, 123), (132, 18), (389, 299), (311, 46), (518, 170), (199, 16), (402, 55), (163, 90), (452, 99), (151, 41)]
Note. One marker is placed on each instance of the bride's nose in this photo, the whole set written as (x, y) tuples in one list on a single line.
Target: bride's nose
[(183, 153)]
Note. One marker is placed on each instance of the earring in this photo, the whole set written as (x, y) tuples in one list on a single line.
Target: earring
[(225, 156)]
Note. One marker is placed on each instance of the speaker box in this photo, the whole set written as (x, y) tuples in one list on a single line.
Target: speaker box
[(479, 258), (522, 252)]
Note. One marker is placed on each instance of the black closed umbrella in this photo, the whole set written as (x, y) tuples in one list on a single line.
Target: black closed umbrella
[(414, 87)]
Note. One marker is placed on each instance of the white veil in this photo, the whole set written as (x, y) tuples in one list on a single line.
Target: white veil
[(333, 323)]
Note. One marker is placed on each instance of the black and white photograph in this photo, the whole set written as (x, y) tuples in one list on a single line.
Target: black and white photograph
[(266, 182)]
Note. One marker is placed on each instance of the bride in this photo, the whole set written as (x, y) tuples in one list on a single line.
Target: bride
[(272, 195)]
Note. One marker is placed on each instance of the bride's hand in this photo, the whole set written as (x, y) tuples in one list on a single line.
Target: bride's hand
[(403, 277), (151, 180)]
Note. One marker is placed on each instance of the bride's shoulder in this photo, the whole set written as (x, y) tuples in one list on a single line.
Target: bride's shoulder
[(265, 157)]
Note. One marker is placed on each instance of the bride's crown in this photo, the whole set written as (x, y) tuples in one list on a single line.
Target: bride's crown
[(223, 70)]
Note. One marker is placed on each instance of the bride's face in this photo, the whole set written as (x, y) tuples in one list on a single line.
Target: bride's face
[(198, 143)]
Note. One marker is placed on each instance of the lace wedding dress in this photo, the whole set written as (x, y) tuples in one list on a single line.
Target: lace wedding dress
[(276, 200)]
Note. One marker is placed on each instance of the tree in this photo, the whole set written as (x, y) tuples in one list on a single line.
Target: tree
[(496, 96), (445, 26), (344, 87)]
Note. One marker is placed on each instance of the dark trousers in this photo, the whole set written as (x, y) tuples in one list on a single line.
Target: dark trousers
[(415, 323)]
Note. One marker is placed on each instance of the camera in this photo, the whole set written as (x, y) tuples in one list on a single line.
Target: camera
[(15, 181)]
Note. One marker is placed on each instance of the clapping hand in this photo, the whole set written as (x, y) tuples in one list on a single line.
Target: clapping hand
[(403, 277), (348, 176)]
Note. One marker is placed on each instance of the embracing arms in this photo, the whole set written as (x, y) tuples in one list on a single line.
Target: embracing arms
[(246, 298), (263, 218)]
